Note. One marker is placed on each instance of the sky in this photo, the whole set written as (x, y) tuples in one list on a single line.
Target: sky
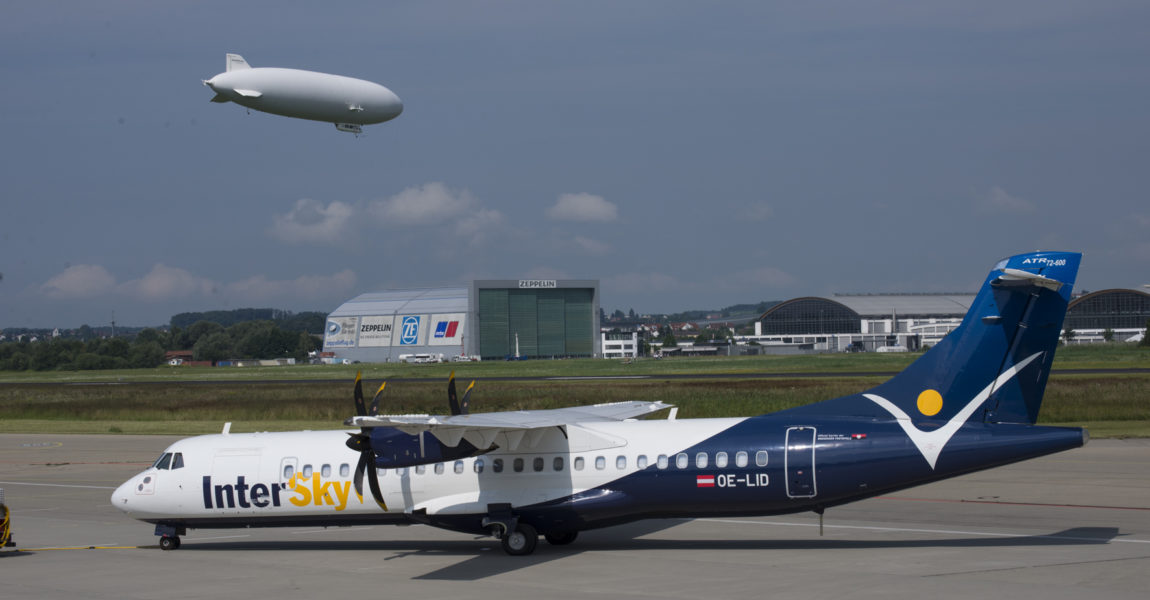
[(686, 154)]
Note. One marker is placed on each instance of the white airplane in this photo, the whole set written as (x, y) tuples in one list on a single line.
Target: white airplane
[(969, 403), (345, 101)]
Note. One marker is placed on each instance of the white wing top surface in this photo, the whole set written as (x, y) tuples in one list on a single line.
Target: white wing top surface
[(482, 428)]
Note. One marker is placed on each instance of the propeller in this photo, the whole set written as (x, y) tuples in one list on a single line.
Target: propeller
[(361, 442), (459, 407)]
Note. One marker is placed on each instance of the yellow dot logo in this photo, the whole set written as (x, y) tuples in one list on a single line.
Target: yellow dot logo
[(929, 402)]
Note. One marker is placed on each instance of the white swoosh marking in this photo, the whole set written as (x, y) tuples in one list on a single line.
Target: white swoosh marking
[(931, 443)]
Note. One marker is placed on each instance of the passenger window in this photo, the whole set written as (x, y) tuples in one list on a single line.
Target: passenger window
[(289, 470), (558, 464), (178, 461), (620, 462), (721, 460), (344, 470), (306, 471), (402, 471), (439, 468), (681, 460), (458, 466), (325, 471), (420, 469), (578, 463), (497, 465), (537, 464), (641, 462), (662, 461), (761, 458), (164, 461), (478, 465), (740, 459), (518, 465), (600, 463), (701, 460)]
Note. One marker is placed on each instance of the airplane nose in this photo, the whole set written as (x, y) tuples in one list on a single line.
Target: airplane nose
[(121, 495)]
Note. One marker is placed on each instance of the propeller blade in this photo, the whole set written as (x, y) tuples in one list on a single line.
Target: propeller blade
[(363, 458), (373, 481), (452, 398), (465, 405), (359, 408), (375, 399)]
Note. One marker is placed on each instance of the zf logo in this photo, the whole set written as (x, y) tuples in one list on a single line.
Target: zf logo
[(410, 334)]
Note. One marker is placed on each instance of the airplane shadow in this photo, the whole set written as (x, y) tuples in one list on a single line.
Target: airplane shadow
[(484, 557)]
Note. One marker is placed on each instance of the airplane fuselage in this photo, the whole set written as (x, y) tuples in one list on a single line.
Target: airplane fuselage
[(597, 475)]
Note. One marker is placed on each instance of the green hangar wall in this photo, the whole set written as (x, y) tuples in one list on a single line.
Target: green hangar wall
[(550, 318)]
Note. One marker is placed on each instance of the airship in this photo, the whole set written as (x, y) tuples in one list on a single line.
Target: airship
[(347, 102)]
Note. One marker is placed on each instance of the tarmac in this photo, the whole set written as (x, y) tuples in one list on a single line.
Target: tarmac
[(1071, 525)]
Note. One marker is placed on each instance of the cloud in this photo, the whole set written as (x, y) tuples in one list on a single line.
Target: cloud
[(422, 205), (592, 247), (476, 227), (305, 287), (312, 222), (1000, 202), (583, 207), (79, 281), (164, 282)]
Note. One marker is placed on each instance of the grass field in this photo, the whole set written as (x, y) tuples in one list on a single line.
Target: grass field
[(1111, 404)]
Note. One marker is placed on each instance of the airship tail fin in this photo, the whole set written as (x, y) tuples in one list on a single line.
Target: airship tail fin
[(235, 62)]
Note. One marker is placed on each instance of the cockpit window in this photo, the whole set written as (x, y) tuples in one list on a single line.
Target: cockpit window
[(177, 461), (164, 462)]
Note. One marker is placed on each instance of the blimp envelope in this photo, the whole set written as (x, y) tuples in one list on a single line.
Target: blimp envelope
[(345, 101)]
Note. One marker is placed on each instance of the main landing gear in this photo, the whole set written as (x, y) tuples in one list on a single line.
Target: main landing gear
[(169, 542), (520, 541), (519, 538)]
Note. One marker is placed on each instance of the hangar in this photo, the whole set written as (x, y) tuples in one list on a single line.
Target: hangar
[(490, 319), (873, 321), (862, 321), (1124, 313)]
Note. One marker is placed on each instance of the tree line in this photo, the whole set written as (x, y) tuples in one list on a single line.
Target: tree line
[(208, 341)]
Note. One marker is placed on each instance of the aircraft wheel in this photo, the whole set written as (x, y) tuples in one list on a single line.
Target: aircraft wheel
[(522, 541), (562, 538), (169, 542)]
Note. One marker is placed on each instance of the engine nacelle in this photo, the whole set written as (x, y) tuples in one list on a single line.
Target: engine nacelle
[(394, 449)]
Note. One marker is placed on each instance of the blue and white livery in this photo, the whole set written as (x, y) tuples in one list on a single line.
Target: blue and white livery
[(969, 403)]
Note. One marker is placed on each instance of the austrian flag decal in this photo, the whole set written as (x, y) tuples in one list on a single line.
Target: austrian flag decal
[(704, 481)]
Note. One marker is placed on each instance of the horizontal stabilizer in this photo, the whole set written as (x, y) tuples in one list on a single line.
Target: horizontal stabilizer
[(249, 93), (1018, 275), (220, 98)]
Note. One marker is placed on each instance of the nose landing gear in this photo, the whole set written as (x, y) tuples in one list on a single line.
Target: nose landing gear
[(170, 536)]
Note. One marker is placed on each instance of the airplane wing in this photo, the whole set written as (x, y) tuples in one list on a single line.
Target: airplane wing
[(481, 429)]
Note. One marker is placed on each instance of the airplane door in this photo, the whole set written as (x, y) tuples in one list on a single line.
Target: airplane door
[(799, 462)]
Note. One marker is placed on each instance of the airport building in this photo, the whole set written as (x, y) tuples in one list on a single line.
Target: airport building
[(886, 322), (860, 322), (1122, 313), (490, 319)]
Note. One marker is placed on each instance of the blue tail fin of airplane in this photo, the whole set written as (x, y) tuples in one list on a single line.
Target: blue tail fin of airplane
[(995, 364)]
